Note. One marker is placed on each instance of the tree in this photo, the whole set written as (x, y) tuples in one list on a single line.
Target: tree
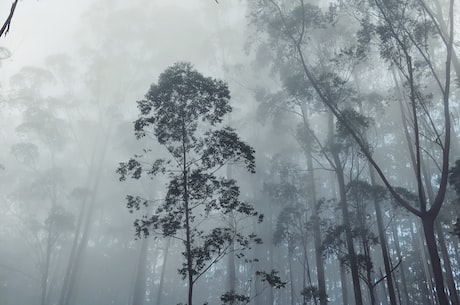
[(184, 111), (408, 38)]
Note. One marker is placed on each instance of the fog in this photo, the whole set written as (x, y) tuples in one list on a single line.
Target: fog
[(230, 152)]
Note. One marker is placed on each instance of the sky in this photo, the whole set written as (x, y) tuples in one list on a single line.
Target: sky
[(39, 28), (44, 27)]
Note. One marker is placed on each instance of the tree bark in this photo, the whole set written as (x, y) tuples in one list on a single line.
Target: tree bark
[(188, 237), (428, 230)]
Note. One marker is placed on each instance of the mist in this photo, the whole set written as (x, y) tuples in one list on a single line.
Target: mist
[(230, 152)]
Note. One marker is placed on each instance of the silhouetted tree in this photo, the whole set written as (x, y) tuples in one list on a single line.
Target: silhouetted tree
[(184, 111)]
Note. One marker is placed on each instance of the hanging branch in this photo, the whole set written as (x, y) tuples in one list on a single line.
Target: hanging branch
[(6, 26)]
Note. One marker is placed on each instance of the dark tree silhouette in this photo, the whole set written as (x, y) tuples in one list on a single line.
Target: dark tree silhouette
[(185, 111)]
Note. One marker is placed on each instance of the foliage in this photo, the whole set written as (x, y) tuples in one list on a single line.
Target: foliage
[(454, 177), (312, 295), (456, 230), (184, 111), (232, 298), (271, 278)]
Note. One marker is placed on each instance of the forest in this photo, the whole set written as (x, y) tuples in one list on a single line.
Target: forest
[(262, 152)]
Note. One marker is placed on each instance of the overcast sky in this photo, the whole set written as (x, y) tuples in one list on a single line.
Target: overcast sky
[(44, 27)]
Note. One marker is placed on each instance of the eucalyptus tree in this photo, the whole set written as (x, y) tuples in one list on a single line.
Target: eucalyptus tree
[(408, 38), (184, 111), (287, 192), (293, 105), (44, 135)]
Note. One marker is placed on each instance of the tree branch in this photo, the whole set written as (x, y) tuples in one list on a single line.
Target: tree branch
[(6, 26)]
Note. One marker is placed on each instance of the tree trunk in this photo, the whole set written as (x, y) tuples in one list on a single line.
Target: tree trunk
[(231, 276), (291, 275), (188, 234), (317, 235), (46, 266), (80, 244), (428, 283), (345, 214), (442, 242), (428, 230), (447, 264), (315, 217), (405, 293), (348, 233), (73, 252), (383, 242), (140, 284), (343, 284), (163, 271)]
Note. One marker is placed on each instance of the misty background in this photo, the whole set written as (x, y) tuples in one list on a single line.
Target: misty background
[(72, 72)]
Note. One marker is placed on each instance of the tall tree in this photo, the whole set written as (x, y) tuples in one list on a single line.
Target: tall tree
[(184, 111), (406, 35)]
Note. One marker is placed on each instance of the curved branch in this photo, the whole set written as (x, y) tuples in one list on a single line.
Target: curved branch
[(6, 26)]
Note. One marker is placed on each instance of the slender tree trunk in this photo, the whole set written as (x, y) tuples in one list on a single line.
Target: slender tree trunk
[(76, 238), (426, 217), (188, 234), (428, 284), (442, 23), (369, 277), (271, 295), (348, 233), (383, 242), (46, 266), (49, 240), (163, 271), (315, 217), (428, 230), (291, 276), (259, 297), (383, 296), (140, 284), (442, 242), (343, 273), (343, 284), (317, 235), (76, 264), (73, 251), (231, 276), (372, 295), (346, 216), (405, 293), (231, 272), (447, 264)]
